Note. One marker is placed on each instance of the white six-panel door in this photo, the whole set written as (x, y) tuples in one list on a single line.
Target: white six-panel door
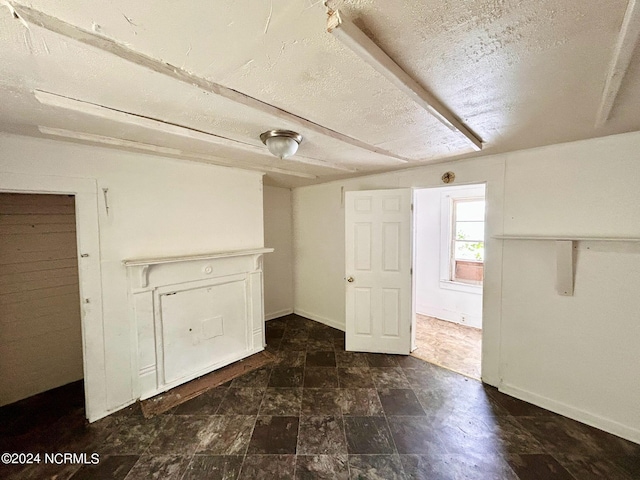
[(378, 271)]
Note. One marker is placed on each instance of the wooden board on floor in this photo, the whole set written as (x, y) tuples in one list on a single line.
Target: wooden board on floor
[(180, 394)]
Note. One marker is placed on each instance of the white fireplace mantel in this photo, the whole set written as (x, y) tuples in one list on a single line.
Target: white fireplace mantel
[(194, 314), (145, 263)]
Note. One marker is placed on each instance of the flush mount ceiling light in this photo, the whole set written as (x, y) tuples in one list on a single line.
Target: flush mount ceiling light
[(281, 143)]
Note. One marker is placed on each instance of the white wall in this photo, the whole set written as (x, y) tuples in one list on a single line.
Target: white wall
[(578, 355), (575, 355), (157, 207), (278, 266), (435, 296)]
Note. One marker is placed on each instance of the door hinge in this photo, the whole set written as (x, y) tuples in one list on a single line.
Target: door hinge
[(411, 271), (412, 207)]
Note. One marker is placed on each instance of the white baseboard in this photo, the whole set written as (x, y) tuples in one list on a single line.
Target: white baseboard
[(608, 425), (450, 316), (319, 318), (278, 314)]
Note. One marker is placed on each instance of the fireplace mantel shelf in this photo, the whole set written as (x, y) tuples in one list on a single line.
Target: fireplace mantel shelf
[(139, 262), (194, 314)]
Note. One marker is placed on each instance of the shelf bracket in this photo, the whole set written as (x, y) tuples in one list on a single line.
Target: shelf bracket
[(564, 267), (144, 276)]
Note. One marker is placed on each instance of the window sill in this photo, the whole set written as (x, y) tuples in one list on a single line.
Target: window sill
[(461, 287)]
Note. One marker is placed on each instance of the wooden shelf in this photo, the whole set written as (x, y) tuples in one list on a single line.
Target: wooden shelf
[(560, 238), (187, 258), (564, 254)]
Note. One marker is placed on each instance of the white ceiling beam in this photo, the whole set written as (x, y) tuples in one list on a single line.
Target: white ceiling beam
[(127, 118), (118, 142), (110, 46), (356, 40), (245, 166), (625, 46)]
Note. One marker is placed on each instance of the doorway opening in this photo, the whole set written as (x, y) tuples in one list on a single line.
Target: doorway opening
[(448, 277), (40, 319)]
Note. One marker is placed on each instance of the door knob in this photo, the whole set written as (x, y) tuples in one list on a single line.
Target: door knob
[(350, 279)]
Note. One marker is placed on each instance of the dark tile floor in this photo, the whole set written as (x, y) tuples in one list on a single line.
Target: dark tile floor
[(320, 412)]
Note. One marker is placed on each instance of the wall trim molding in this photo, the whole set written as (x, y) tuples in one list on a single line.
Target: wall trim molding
[(474, 321), (320, 319), (89, 257), (278, 314), (582, 416)]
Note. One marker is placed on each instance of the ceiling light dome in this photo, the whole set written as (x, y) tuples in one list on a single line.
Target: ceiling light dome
[(281, 143)]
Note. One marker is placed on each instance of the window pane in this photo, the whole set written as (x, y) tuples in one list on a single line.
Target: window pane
[(469, 251), (469, 231), (470, 211)]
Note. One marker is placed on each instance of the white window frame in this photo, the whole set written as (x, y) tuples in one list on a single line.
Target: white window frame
[(453, 239), (447, 201)]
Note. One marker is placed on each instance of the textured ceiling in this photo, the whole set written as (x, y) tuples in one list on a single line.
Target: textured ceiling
[(519, 73)]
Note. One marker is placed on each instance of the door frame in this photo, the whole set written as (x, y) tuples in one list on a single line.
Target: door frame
[(414, 234), (85, 191)]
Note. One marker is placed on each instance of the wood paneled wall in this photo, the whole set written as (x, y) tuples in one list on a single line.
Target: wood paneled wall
[(40, 326)]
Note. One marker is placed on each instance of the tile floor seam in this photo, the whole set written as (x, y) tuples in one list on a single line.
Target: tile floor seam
[(134, 466), (560, 463), (266, 388), (186, 470), (295, 463), (344, 434), (304, 372), (404, 474), (255, 421), (156, 434), (244, 459), (508, 465), (298, 438), (393, 440), (624, 472), (202, 441), (222, 400)]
